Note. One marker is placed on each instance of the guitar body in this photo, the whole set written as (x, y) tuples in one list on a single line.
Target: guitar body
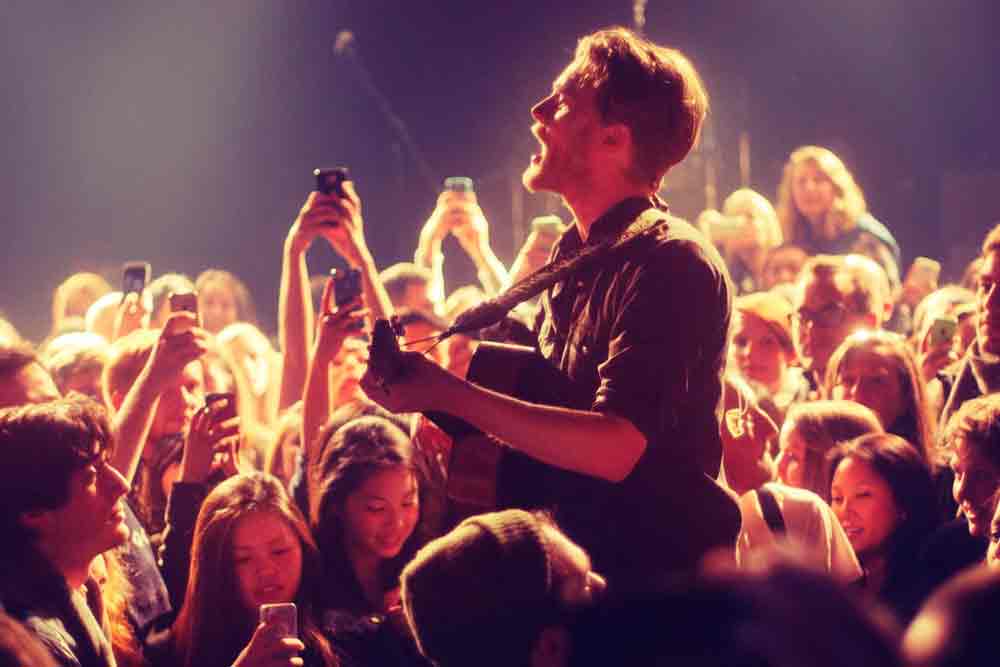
[(484, 474)]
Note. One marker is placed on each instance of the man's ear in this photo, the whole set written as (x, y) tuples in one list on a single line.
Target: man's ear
[(552, 647), (617, 135)]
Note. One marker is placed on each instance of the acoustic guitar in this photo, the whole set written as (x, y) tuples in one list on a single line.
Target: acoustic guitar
[(484, 474)]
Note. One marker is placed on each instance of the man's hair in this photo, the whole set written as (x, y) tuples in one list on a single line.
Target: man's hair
[(126, 359), (863, 295), (653, 90), (398, 277), (43, 445), (992, 241), (977, 422), (15, 356)]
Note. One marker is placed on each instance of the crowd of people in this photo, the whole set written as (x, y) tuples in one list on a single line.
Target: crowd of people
[(776, 444)]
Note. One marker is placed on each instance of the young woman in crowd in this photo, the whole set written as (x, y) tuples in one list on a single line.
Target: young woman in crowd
[(877, 370), (883, 496), (257, 376), (251, 547), (222, 300), (763, 354), (365, 508), (744, 232), (821, 208), (813, 429)]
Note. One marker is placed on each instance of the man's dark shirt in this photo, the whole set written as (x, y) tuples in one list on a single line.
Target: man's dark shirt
[(644, 337)]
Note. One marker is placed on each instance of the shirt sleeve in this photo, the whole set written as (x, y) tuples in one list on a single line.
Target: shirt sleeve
[(668, 332)]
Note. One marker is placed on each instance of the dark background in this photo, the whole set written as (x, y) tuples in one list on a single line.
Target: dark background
[(186, 134)]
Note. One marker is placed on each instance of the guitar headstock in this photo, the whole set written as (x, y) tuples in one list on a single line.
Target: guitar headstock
[(385, 359)]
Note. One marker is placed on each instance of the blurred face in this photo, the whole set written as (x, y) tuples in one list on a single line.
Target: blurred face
[(87, 382), (792, 456), (421, 331), (976, 480), (92, 520), (872, 380), (812, 191), (267, 557), (993, 550), (415, 296), (758, 352), (346, 371), (822, 320), (865, 506), (30, 384), (566, 125), (381, 514), (178, 402), (217, 306), (988, 304), (253, 353), (783, 266)]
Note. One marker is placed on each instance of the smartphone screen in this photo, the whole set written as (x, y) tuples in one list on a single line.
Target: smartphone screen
[(346, 286), (135, 277), (283, 618), (330, 181)]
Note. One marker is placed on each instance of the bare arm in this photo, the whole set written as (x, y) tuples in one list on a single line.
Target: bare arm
[(591, 443), (295, 312), (134, 418)]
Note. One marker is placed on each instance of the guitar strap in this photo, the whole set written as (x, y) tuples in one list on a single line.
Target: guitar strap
[(493, 310)]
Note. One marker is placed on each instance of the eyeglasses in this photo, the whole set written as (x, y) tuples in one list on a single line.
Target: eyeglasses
[(831, 315)]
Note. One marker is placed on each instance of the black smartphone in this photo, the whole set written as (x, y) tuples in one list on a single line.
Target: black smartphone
[(330, 180), (229, 411), (184, 301), (135, 277), (462, 184), (346, 286)]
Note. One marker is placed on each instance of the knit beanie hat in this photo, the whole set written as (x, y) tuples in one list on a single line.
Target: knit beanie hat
[(480, 594), (773, 310)]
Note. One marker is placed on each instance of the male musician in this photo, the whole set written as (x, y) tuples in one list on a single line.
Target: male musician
[(642, 338)]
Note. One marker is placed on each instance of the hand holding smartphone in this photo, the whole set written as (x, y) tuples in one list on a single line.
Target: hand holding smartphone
[(135, 277), (184, 302), (330, 180), (282, 619)]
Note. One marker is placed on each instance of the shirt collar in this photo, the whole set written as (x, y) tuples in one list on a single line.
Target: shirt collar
[(620, 216)]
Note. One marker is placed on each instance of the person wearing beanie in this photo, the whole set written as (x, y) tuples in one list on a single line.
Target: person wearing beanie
[(496, 590), (762, 352)]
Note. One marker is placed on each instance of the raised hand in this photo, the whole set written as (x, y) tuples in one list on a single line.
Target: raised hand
[(214, 436)]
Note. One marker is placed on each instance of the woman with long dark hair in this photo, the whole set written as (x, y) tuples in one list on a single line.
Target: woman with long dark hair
[(365, 508), (882, 494), (251, 547)]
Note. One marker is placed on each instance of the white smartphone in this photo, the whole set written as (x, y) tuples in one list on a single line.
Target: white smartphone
[(283, 618)]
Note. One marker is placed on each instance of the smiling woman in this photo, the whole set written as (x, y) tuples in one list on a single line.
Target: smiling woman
[(883, 496), (251, 547)]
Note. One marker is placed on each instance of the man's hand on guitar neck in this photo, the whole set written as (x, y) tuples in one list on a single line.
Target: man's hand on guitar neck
[(598, 444)]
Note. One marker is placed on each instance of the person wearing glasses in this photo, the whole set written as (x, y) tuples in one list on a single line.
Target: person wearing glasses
[(835, 297)]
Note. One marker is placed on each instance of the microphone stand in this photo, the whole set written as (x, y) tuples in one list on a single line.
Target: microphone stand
[(394, 121)]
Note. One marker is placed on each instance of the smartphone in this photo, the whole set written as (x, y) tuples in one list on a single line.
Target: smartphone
[(184, 301), (548, 224), (460, 184), (282, 618), (942, 331), (330, 180), (135, 277), (346, 286), (229, 411)]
